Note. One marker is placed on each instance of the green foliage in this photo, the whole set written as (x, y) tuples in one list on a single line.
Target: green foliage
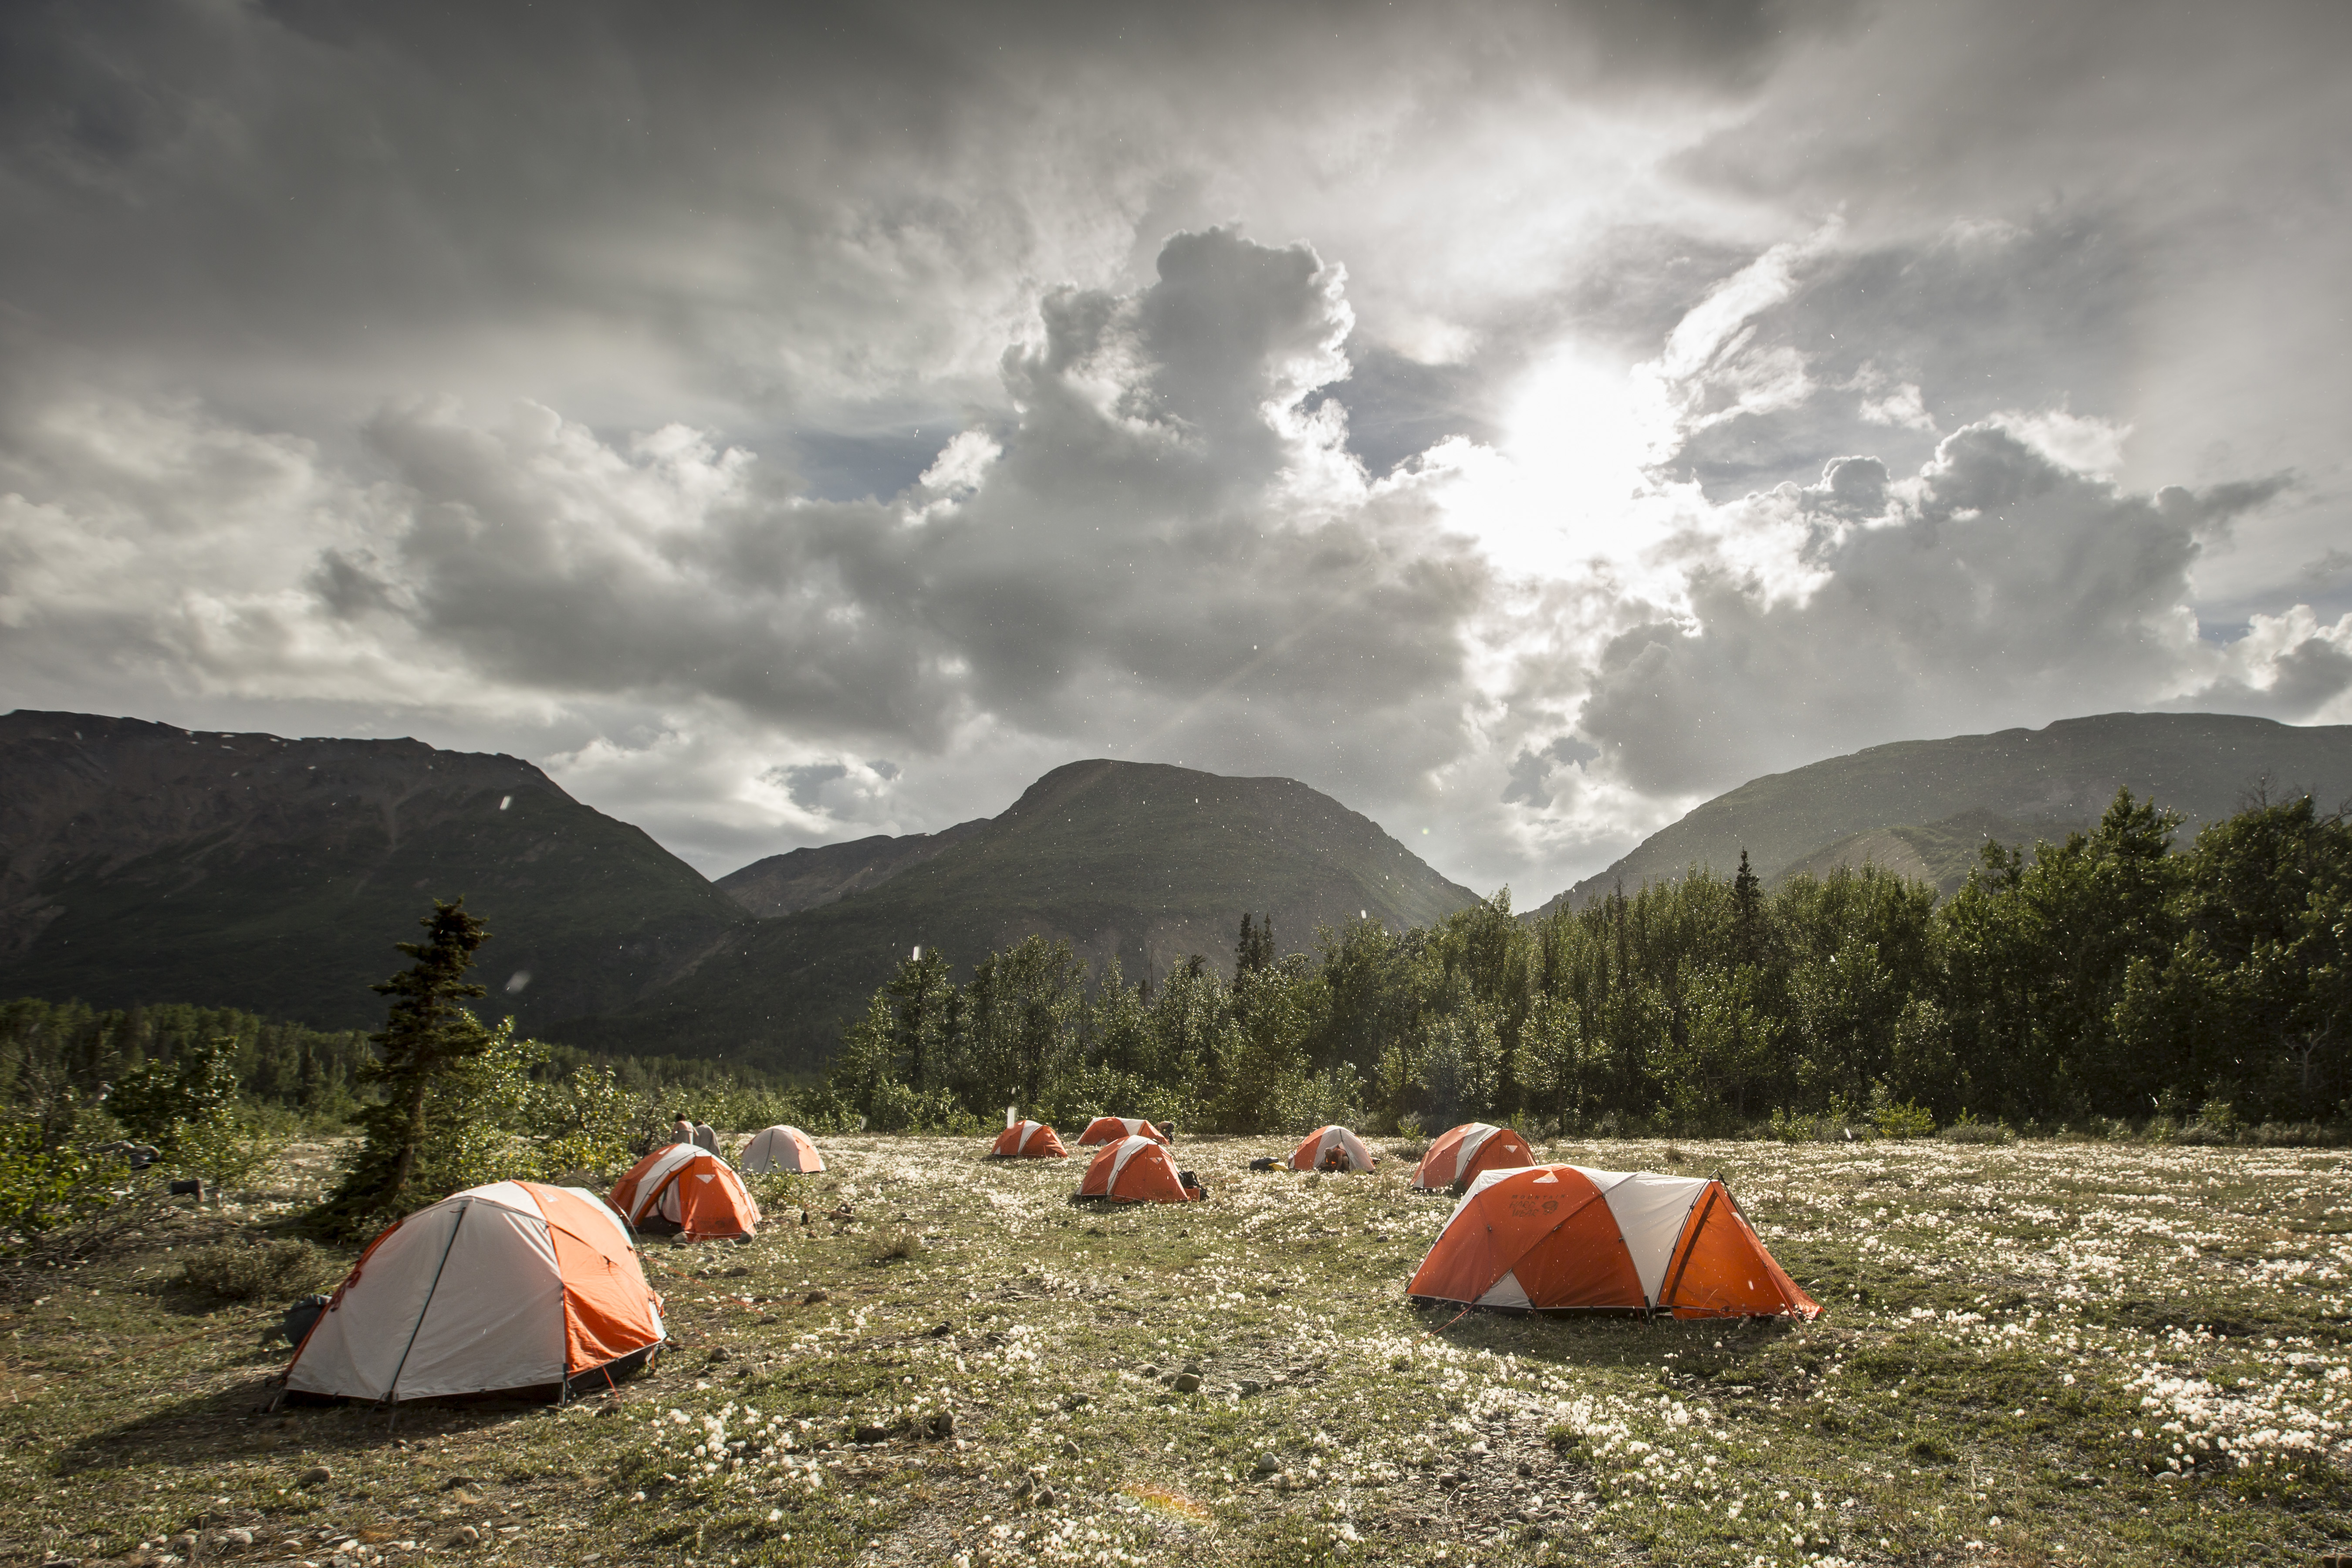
[(2097, 980), (427, 1038), (159, 1099), (44, 1185)]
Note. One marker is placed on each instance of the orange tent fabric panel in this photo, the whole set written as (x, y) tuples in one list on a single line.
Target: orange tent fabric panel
[(606, 1296), (1029, 1141), (1499, 1149), (1549, 1227), (1721, 1270), (713, 1202), (1582, 1264), (1134, 1170)]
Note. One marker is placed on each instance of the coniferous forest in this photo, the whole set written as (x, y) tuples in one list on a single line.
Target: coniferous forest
[(2119, 979)]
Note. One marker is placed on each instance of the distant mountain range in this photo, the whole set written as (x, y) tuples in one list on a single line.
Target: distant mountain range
[(1926, 808), (1137, 861), (144, 863)]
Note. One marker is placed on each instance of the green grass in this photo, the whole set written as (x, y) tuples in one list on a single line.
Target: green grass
[(2013, 1335)]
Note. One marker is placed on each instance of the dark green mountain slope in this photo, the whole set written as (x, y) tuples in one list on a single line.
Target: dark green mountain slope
[(2039, 783), (803, 879), (144, 863), (1138, 861)]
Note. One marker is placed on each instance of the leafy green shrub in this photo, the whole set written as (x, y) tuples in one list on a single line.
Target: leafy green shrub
[(45, 1185), (249, 1270), (1909, 1120)]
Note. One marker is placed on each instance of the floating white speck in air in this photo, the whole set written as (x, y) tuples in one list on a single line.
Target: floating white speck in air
[(918, 952), (1363, 914), (505, 801), (1009, 1117), (517, 980)]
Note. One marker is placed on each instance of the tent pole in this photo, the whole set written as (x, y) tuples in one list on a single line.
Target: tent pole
[(391, 1389), (1674, 1287)]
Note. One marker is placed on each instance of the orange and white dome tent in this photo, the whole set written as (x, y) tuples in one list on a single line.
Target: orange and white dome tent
[(510, 1287), (1332, 1148), (1111, 1129), (1136, 1171), (1028, 1141), (781, 1149), (1464, 1153), (690, 1188), (1564, 1238)]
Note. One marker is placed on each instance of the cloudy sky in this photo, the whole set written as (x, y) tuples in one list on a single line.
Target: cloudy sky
[(785, 424)]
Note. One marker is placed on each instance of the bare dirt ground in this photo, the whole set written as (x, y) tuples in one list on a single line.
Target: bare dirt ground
[(2037, 1353)]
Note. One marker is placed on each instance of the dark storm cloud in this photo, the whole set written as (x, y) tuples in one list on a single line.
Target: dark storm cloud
[(1139, 552), (820, 419)]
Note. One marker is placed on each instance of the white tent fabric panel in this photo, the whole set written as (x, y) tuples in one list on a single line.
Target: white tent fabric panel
[(497, 1318), (668, 1160), (1505, 1292), (1650, 1211), (1472, 1141), (773, 1149), (510, 1194), (357, 1343)]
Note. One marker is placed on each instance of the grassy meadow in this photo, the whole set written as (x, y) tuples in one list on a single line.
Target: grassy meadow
[(2042, 1353)]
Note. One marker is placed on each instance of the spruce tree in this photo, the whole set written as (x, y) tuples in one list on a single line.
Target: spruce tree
[(427, 1031), (1746, 915)]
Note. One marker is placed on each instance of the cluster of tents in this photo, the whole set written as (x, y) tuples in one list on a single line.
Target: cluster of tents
[(1524, 1235), (520, 1287)]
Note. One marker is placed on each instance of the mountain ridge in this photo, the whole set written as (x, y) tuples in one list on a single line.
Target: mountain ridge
[(1084, 855), (2042, 781), (144, 863)]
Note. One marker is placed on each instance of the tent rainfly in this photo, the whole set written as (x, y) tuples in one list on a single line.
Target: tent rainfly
[(1136, 1171), (688, 1188), (1461, 1153), (781, 1149), (1028, 1141), (1111, 1129), (512, 1288), (1332, 1148), (1549, 1239)]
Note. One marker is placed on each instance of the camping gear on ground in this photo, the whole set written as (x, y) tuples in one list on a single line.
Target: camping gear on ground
[(1135, 1171), (1462, 1153), (300, 1316), (511, 1287), (1332, 1148), (781, 1149), (1028, 1141), (1266, 1163), (682, 1189), (1565, 1238), (1111, 1129)]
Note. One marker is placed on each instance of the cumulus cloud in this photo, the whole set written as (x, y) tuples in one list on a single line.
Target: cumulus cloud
[(1518, 423)]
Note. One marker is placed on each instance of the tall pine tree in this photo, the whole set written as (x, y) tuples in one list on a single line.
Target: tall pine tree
[(1746, 915), (427, 1031)]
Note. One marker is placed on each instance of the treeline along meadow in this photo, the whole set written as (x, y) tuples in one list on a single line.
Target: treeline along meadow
[(2114, 983), (2105, 983)]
